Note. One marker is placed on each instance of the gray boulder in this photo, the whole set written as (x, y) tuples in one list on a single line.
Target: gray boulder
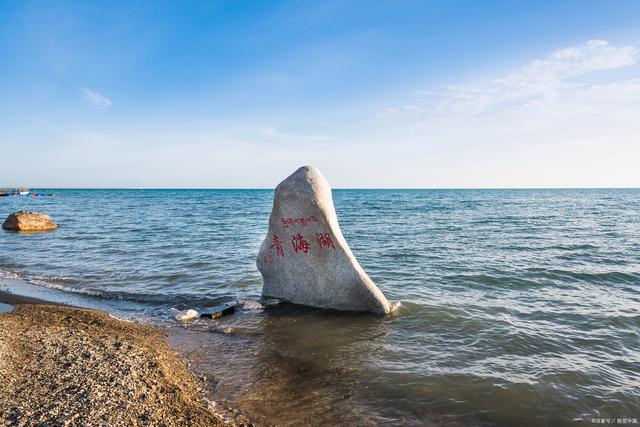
[(305, 259)]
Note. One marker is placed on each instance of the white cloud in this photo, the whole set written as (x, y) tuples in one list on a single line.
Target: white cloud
[(556, 84), (542, 78), (276, 135), (568, 119), (96, 99)]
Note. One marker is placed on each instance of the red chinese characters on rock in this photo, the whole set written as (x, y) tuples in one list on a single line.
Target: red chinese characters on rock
[(290, 222), (300, 244), (324, 240), (277, 245)]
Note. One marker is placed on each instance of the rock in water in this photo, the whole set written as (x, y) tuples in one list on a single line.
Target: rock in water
[(184, 316), (217, 312), (305, 259), (28, 221)]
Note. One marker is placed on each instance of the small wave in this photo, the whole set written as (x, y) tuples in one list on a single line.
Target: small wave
[(120, 318), (7, 274), (395, 307), (404, 255), (494, 280), (608, 277), (58, 283), (574, 247), (63, 288), (58, 280), (246, 282), (72, 285)]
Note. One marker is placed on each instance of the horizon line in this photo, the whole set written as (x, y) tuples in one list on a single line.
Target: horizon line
[(333, 188)]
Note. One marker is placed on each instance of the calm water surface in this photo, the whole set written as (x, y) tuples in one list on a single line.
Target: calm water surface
[(518, 307)]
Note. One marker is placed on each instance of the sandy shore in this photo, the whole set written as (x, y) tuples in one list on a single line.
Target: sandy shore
[(69, 366)]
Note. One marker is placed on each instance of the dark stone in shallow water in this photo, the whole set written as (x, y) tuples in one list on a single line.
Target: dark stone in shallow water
[(219, 312)]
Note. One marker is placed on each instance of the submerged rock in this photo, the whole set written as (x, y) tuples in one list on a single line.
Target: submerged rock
[(250, 305), (305, 259), (223, 310), (28, 221)]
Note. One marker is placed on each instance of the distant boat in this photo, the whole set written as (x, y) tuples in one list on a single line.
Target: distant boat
[(22, 192)]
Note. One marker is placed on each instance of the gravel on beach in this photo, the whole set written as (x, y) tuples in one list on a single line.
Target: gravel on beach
[(69, 366)]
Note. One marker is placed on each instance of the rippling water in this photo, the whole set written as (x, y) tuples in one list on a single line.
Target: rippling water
[(518, 307)]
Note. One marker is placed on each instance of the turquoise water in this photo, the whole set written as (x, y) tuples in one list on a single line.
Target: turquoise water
[(518, 307)]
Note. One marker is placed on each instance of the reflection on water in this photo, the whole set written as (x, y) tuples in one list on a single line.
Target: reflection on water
[(292, 366), (420, 366), (288, 364)]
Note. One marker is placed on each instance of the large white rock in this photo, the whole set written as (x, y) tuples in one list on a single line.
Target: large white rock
[(305, 259)]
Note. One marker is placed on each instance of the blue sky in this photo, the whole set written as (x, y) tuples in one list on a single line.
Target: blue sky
[(432, 94)]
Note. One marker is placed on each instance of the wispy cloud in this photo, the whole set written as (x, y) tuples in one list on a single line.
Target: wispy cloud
[(96, 99), (559, 79), (568, 119), (274, 134), (543, 78)]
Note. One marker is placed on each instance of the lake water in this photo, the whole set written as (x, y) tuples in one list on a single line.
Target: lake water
[(517, 307)]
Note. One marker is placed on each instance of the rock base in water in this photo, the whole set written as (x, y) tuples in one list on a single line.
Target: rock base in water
[(305, 259), (218, 312), (28, 221)]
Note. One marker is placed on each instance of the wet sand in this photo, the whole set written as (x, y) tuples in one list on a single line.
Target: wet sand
[(8, 298), (69, 366)]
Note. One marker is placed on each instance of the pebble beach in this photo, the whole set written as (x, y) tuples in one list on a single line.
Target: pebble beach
[(69, 366)]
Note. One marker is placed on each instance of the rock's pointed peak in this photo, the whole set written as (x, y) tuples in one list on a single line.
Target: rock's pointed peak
[(307, 169), (309, 174), (306, 183), (305, 259)]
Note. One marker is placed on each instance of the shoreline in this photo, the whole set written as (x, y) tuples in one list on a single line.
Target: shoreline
[(15, 299), (75, 366)]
